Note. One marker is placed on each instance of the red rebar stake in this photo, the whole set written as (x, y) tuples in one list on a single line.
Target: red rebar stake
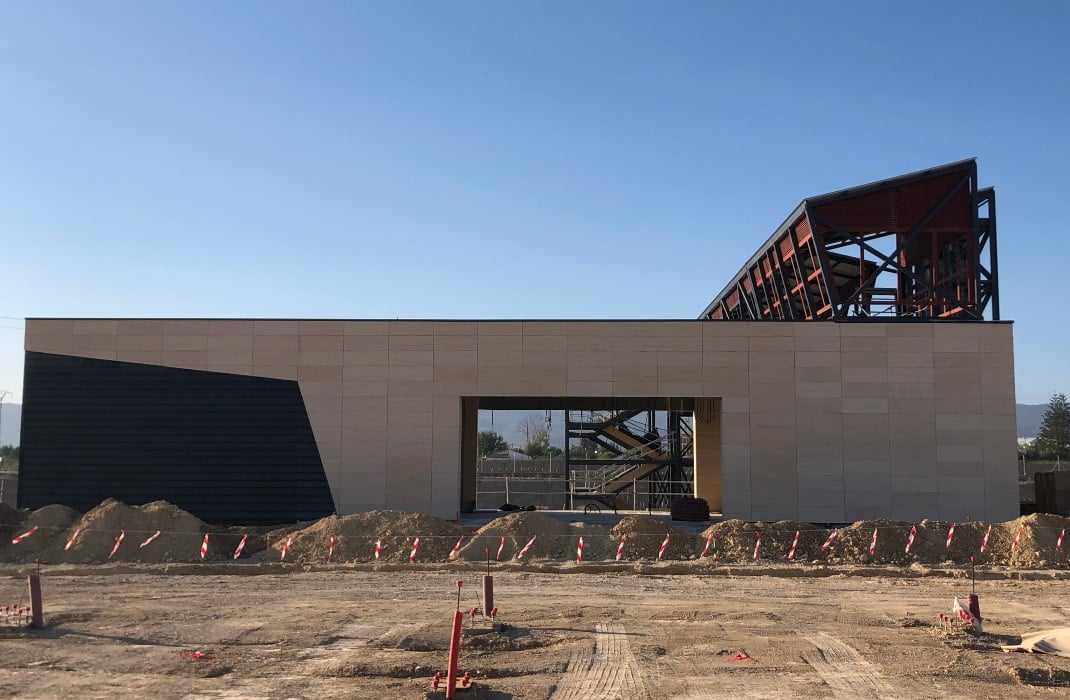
[(455, 650)]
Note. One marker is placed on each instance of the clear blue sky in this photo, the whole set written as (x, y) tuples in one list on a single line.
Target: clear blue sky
[(500, 159)]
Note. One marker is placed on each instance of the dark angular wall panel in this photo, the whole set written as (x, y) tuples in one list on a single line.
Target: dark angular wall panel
[(225, 447)]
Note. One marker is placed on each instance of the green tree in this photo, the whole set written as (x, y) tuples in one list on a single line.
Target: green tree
[(1053, 439), (588, 449), (538, 445), (489, 442), (9, 458)]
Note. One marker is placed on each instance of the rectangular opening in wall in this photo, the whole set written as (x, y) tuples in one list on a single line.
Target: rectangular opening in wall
[(584, 453)]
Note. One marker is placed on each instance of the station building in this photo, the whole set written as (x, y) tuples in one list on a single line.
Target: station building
[(855, 367)]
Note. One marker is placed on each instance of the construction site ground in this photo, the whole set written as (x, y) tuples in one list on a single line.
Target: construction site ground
[(654, 631)]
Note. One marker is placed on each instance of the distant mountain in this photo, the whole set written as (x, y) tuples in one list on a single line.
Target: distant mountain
[(1030, 416), (10, 423)]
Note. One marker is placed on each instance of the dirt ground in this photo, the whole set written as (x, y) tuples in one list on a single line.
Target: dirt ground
[(119, 631)]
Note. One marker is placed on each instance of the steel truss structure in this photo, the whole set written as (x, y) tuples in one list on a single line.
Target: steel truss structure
[(631, 447), (920, 246)]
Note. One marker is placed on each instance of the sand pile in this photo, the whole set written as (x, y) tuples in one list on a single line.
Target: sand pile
[(734, 540), (645, 535), (555, 539), (1036, 547), (180, 536), (355, 537), (51, 522)]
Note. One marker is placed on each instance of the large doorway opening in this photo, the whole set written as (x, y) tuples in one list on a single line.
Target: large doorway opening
[(589, 453)]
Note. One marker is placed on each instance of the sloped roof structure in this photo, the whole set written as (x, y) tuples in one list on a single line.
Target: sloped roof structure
[(921, 245)]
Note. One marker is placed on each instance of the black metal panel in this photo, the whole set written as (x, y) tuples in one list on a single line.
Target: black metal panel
[(225, 447)]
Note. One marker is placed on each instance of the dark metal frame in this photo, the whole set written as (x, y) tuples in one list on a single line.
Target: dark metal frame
[(673, 467), (811, 246)]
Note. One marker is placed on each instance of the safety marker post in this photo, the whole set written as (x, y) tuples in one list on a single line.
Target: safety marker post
[(794, 544), (73, 537), (1014, 545), (455, 648), (37, 618), (501, 546), (488, 587), (984, 542), (579, 551), (378, 548), (707, 547), (620, 547), (286, 548), (910, 539), (661, 549), (118, 541), (524, 551), (204, 546), (330, 550), (20, 538), (1059, 542), (873, 543), (241, 546), (415, 546), (828, 542), (950, 536), (149, 540), (456, 548), (757, 544)]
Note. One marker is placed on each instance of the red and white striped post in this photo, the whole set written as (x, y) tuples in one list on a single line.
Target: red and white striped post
[(20, 538), (794, 544), (1017, 538), (873, 543), (204, 546), (950, 536), (1059, 542), (412, 552), (984, 541), (241, 546), (147, 542), (118, 541), (378, 548), (910, 539), (579, 551), (706, 548), (456, 548), (501, 546), (70, 542), (757, 544), (828, 542), (286, 548), (661, 549), (620, 547), (330, 550), (524, 551)]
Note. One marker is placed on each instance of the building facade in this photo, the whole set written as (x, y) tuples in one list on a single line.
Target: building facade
[(823, 422)]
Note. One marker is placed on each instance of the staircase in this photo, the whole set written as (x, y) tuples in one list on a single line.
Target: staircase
[(631, 449)]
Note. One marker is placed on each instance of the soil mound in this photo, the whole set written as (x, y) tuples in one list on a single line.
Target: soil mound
[(179, 540), (734, 540), (51, 521), (554, 539), (355, 537), (10, 517), (645, 536)]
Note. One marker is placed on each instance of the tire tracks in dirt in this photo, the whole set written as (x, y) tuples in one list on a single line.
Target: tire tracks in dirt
[(845, 672), (609, 672)]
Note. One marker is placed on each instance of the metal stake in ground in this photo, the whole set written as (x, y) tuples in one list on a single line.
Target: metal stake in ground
[(37, 619), (488, 588)]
